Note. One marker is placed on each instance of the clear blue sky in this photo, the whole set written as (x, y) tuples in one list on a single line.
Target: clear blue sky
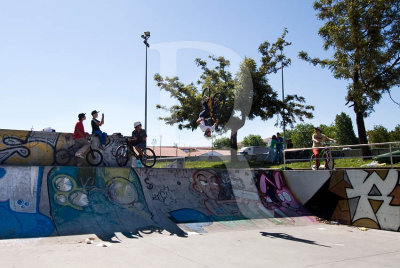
[(60, 58)]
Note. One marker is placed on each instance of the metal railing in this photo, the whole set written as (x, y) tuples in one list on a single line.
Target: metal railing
[(343, 148)]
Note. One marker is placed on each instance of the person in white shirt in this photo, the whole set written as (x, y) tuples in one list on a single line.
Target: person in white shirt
[(207, 129)]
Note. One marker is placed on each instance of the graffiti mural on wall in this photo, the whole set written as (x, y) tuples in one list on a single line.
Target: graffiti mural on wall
[(39, 148), (19, 203), (43, 201), (365, 198), (277, 198), (99, 200), (201, 198), (21, 147)]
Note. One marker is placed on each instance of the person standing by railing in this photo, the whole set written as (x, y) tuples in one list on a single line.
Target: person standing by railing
[(318, 138), (273, 146), (279, 149)]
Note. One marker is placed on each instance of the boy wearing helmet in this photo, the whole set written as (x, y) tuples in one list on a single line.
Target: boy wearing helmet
[(138, 138)]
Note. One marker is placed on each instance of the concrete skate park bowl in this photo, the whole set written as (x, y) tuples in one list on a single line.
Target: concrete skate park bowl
[(48, 200)]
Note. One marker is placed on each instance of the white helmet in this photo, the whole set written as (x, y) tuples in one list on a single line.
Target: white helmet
[(137, 124)]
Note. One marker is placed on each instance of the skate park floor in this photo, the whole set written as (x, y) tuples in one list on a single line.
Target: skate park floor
[(316, 245)]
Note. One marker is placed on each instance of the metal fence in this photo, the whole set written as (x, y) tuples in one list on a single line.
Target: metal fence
[(392, 150)]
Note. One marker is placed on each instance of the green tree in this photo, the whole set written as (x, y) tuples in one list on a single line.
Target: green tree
[(344, 130), (222, 143), (394, 135), (364, 35), (301, 135), (248, 95), (378, 134), (253, 140), (329, 131), (292, 107)]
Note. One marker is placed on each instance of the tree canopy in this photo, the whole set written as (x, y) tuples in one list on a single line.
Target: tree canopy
[(222, 143), (364, 36), (344, 130), (248, 94), (253, 140)]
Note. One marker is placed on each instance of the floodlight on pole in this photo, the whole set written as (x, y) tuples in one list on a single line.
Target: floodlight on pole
[(145, 36)]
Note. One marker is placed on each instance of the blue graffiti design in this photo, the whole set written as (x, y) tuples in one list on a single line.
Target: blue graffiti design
[(22, 203), (23, 225), (193, 219), (2, 172)]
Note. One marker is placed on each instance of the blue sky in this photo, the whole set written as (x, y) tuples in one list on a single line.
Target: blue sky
[(60, 58)]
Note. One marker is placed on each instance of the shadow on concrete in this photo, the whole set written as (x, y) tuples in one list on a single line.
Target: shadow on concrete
[(291, 238), (139, 233)]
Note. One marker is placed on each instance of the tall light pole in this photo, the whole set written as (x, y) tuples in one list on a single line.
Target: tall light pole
[(145, 36), (283, 119)]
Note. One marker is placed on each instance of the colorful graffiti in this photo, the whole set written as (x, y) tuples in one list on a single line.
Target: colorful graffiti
[(19, 203), (365, 198), (99, 200), (277, 198), (45, 201), (39, 148)]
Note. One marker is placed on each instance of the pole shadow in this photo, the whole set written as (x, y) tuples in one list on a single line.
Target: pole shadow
[(291, 238)]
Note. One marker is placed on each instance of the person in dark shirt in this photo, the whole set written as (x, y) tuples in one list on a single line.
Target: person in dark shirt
[(96, 128), (278, 158), (138, 138)]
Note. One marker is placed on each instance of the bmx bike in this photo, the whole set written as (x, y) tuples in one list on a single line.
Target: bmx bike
[(62, 157), (325, 154), (215, 103), (125, 152)]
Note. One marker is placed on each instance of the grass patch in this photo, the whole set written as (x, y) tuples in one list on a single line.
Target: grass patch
[(339, 163)]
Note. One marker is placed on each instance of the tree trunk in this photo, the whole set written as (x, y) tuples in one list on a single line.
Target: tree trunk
[(234, 146), (362, 134)]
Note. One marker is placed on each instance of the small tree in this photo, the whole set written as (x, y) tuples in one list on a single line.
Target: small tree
[(253, 140), (344, 130), (378, 134), (395, 134), (222, 143), (301, 135)]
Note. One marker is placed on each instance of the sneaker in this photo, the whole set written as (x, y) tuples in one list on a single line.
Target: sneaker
[(79, 156)]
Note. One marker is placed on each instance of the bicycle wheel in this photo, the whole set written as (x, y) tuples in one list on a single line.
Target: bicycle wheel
[(62, 157), (122, 155), (149, 158), (94, 157), (206, 92), (329, 162), (312, 162)]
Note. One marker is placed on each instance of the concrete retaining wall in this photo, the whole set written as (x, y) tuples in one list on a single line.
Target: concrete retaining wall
[(46, 200)]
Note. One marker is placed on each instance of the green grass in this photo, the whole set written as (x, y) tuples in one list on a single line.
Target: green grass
[(339, 163)]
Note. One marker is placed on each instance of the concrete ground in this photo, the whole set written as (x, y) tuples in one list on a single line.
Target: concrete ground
[(318, 245)]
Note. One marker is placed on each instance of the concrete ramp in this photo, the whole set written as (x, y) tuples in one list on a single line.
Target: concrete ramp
[(46, 201), (37, 201)]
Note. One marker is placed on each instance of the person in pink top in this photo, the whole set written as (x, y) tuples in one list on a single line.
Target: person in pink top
[(81, 137)]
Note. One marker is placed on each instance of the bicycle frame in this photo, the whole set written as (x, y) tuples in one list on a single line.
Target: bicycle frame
[(326, 155)]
